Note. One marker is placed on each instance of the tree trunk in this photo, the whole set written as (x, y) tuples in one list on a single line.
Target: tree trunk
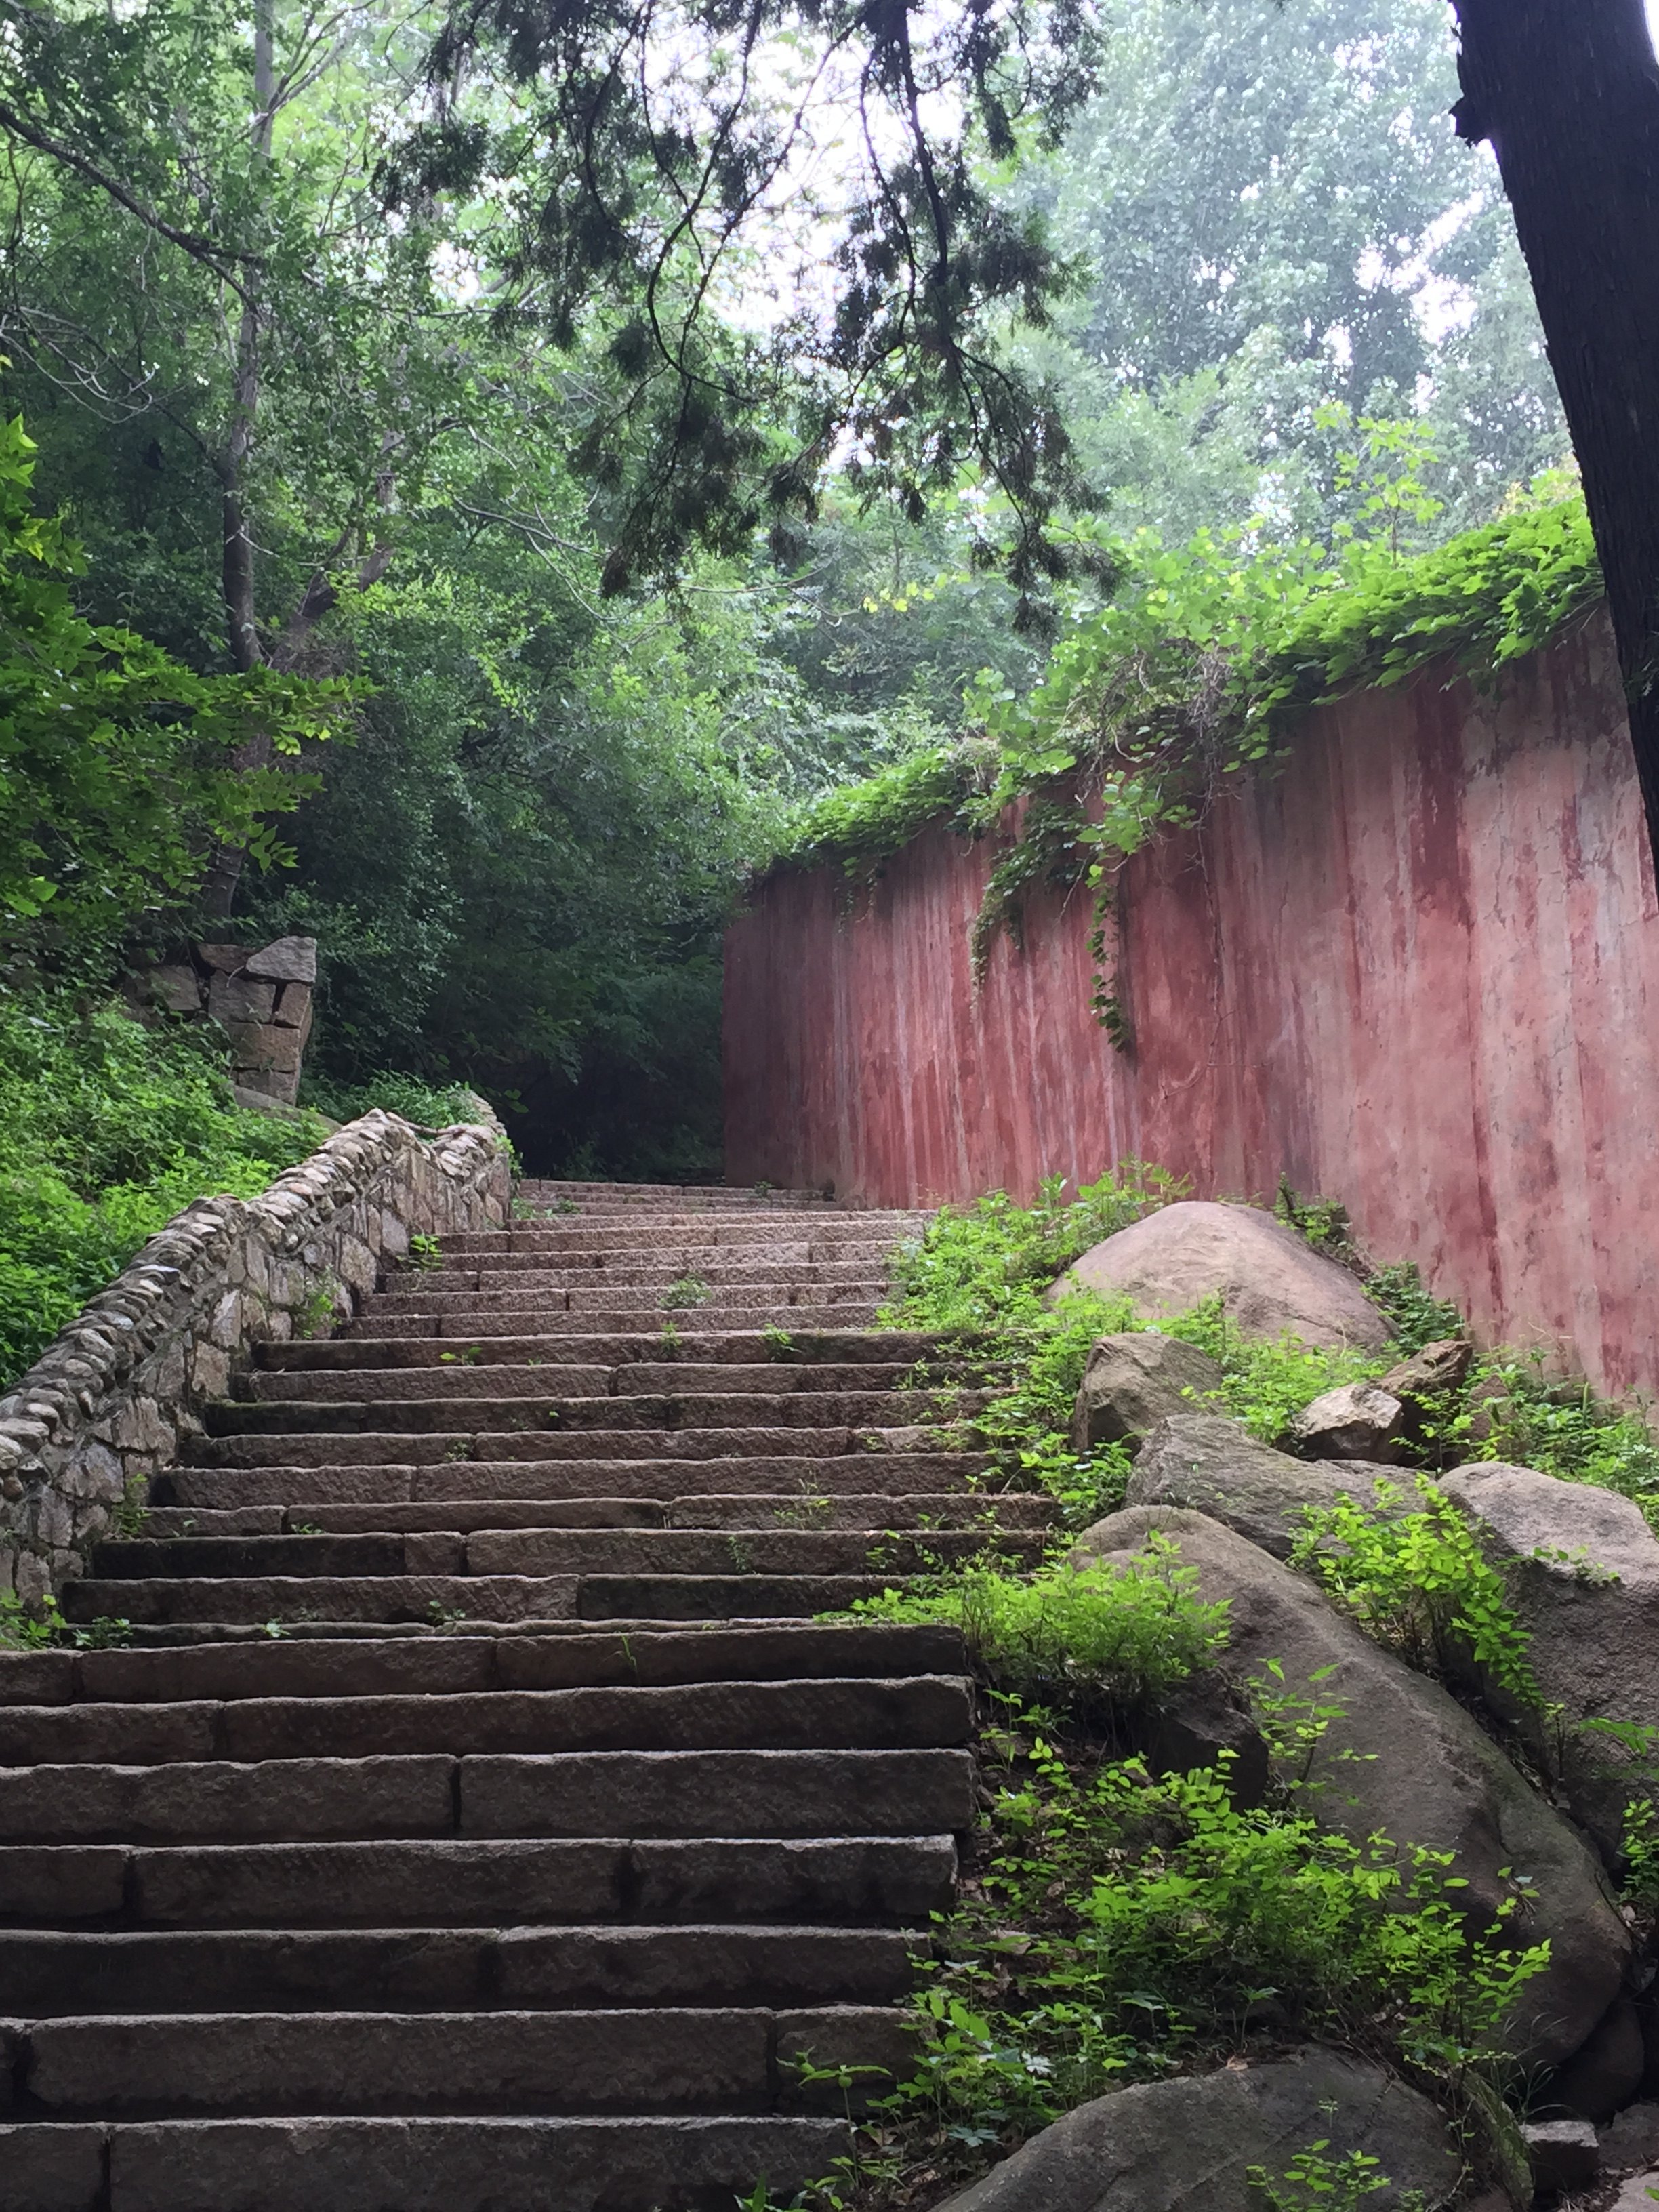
[(1567, 91), (225, 868)]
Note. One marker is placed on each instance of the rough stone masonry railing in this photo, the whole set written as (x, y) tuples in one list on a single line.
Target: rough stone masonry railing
[(108, 1403)]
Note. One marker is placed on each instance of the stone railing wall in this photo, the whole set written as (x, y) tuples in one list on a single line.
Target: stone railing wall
[(108, 1403)]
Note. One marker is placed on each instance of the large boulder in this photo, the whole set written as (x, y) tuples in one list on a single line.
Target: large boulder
[(1215, 1467), (1135, 1380), (1268, 1278), (1187, 2145), (1404, 1757), (1582, 1569)]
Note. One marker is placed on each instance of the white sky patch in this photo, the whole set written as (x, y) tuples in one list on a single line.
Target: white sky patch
[(1653, 23)]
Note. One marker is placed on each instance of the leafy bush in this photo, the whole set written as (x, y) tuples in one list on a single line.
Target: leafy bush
[(116, 775), (1266, 1384), (1126, 1631), (426, 1107), (108, 1130), (1512, 1410), (1416, 1581), (1127, 1926)]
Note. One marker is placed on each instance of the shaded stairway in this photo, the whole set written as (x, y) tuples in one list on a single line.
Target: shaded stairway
[(480, 1822)]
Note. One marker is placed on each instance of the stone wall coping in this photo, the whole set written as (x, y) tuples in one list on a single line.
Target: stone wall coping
[(107, 1403)]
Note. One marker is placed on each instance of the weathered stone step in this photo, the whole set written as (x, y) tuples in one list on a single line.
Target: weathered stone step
[(502, 1379), (667, 1232), (599, 1793), (374, 1448), (450, 1665), (441, 1600), (408, 1347), (775, 1550), (731, 1409), (648, 1279), (859, 1881), (653, 1260), (268, 1481), (666, 2060), (445, 2165), (477, 1316), (875, 1511), (840, 1715)]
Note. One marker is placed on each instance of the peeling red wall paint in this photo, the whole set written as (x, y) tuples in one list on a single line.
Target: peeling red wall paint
[(1417, 970)]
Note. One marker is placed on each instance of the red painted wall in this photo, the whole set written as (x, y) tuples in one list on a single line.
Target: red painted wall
[(1417, 970)]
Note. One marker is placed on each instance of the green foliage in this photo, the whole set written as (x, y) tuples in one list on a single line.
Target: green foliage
[(1513, 1411), (426, 1105), (1419, 1581), (1414, 1314), (685, 1290), (1265, 1384), (116, 774), (1314, 2183), (1120, 1632), (1129, 1925), (108, 1130), (1196, 670), (39, 1626)]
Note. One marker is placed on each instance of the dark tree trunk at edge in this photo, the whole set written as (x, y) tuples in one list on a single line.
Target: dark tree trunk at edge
[(1567, 91)]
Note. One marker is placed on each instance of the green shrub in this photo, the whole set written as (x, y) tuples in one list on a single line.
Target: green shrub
[(1418, 1581), (1127, 1926), (426, 1107), (108, 1130), (1125, 1629)]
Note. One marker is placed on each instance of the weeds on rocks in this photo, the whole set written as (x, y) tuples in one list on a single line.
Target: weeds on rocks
[(1116, 1925), (1114, 1635)]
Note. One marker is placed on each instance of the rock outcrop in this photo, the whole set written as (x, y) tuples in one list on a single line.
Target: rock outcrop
[(1134, 1381), (1357, 1420), (1211, 1465), (1582, 1569), (1270, 1280), (1187, 2145), (1404, 1757)]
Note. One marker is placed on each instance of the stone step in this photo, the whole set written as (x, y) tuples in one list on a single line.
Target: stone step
[(895, 1474), (450, 1665), (317, 2164), (409, 1348), (594, 1287), (860, 1882), (815, 1446), (874, 1511), (571, 1793), (732, 1233), (836, 1715), (442, 1601), (646, 1411), (471, 1378), (777, 1550), (444, 1967), (655, 1259), (479, 1315), (662, 2061)]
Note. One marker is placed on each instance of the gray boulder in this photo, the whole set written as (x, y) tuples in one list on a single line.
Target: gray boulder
[(1268, 1276), (290, 960), (1405, 1758), (1357, 1420), (1437, 1367), (1186, 2145), (1215, 1467), (1134, 1381), (1582, 1569), (1639, 2193)]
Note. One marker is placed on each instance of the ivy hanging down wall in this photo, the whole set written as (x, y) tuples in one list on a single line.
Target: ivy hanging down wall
[(108, 1404), (1197, 673), (1411, 963)]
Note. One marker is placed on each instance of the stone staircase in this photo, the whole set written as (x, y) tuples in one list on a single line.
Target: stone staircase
[(467, 1814)]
